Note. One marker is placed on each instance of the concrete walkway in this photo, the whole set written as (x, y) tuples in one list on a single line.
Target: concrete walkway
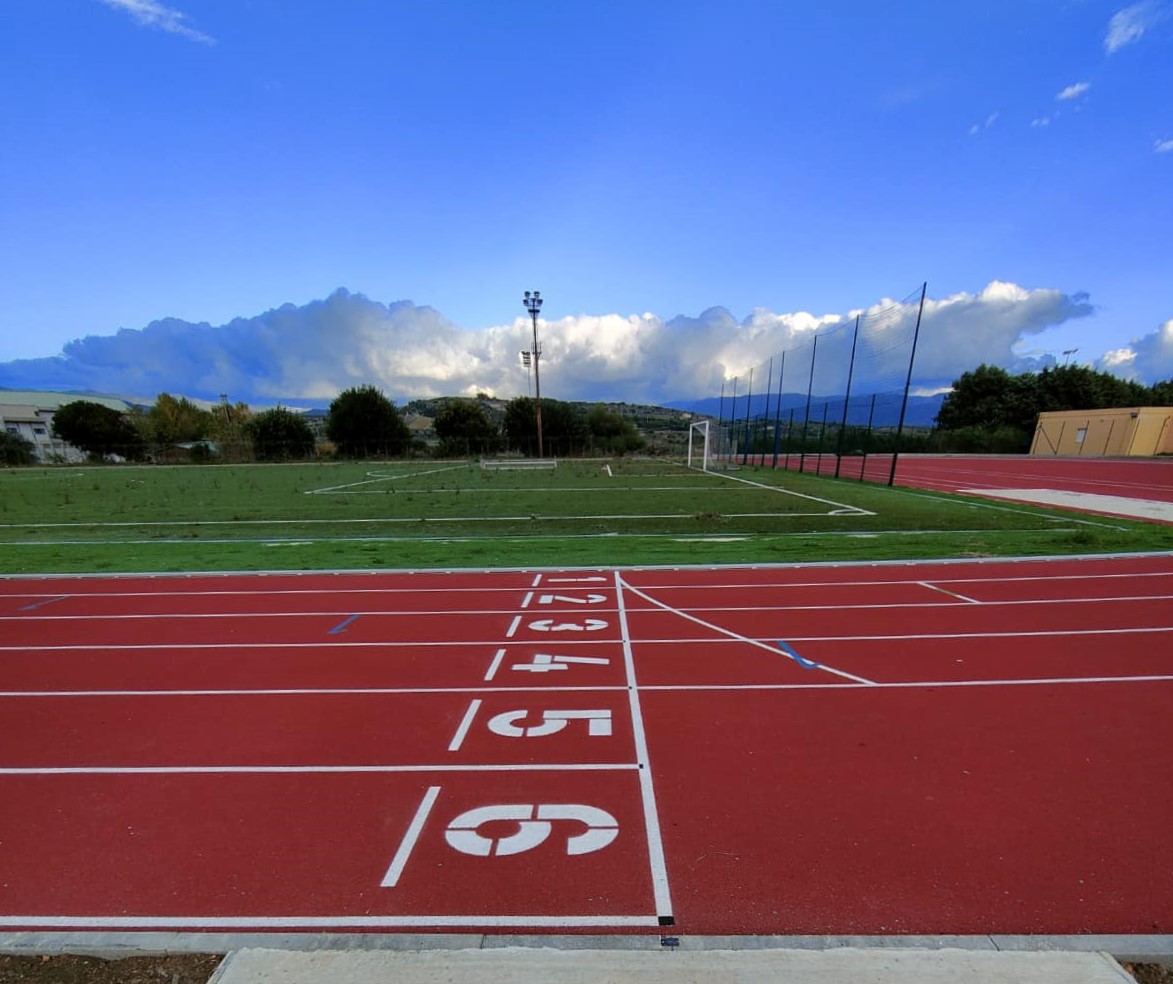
[(844, 965)]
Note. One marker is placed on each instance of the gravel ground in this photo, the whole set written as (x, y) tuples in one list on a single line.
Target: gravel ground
[(186, 968)]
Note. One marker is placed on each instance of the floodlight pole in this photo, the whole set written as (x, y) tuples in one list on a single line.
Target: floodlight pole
[(533, 304)]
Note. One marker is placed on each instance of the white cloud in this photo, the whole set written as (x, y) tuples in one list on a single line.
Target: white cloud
[(1163, 146), (1074, 91), (1041, 121), (1147, 358), (313, 351), (978, 127), (1129, 25), (151, 13)]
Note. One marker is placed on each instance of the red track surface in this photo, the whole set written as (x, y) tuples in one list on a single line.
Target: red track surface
[(907, 748)]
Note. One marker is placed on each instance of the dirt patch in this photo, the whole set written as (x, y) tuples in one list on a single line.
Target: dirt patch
[(1150, 973), (183, 968)]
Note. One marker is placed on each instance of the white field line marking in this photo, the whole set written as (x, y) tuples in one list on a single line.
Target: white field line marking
[(405, 520), (541, 537), (733, 637), (309, 691), (495, 665), (317, 922), (740, 638), (529, 596), (375, 477), (659, 866), (513, 627), (978, 503), (841, 509), (974, 601), (465, 724), (407, 845), (160, 770)]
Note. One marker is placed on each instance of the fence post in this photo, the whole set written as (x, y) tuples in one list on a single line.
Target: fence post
[(846, 398), (907, 383)]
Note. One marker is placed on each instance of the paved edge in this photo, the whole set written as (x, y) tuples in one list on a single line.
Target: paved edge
[(843, 965), (1133, 948)]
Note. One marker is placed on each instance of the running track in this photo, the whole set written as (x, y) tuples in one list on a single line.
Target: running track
[(887, 749)]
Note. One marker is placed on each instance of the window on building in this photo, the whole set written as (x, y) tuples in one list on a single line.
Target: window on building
[(39, 430), (1080, 435)]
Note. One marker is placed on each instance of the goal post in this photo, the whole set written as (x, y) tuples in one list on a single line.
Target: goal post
[(707, 445)]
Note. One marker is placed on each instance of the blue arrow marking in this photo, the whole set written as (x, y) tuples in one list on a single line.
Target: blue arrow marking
[(341, 626), (806, 664)]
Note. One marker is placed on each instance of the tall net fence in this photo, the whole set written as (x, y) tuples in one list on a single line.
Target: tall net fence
[(833, 404)]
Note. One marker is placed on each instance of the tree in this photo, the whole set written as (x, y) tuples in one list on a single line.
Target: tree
[(280, 435), (363, 422), (98, 430), (172, 421), (15, 450), (612, 432), (464, 428), (563, 430)]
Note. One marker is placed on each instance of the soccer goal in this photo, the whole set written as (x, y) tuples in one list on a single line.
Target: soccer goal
[(708, 445)]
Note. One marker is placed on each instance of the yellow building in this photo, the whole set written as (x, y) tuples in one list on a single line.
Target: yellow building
[(1118, 432)]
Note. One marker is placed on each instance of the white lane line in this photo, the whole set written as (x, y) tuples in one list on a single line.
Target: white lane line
[(675, 641), (663, 895), (770, 648), (513, 627), (465, 724), (951, 594), (407, 845), (529, 596), (162, 770), (495, 665), (316, 922), (537, 580), (308, 691), (668, 687)]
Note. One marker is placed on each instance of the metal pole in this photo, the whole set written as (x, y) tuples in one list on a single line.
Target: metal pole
[(748, 401), (846, 398), (733, 423), (533, 304), (778, 412), (806, 417), (907, 383)]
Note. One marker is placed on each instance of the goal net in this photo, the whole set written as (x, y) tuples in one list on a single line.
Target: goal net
[(708, 446)]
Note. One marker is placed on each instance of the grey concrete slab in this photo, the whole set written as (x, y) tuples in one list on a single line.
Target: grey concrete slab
[(843, 965)]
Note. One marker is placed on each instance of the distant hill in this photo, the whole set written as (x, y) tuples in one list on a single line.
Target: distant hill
[(922, 410)]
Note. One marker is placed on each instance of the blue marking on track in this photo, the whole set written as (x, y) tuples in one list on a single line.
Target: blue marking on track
[(38, 604), (342, 626), (788, 649)]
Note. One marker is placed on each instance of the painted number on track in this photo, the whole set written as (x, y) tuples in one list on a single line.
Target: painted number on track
[(549, 625), (535, 823), (506, 724)]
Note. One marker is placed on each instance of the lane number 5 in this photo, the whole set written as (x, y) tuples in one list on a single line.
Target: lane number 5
[(535, 823)]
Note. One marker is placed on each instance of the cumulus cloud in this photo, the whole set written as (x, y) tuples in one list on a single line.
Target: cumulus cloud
[(1073, 91), (151, 13), (1163, 146), (309, 353), (1130, 24), (1146, 359)]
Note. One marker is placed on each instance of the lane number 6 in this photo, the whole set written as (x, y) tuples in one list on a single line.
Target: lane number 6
[(534, 825)]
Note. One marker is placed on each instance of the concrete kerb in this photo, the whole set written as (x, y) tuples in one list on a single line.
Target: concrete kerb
[(525, 965)]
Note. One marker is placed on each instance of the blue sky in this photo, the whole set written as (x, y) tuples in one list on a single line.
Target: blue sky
[(212, 160)]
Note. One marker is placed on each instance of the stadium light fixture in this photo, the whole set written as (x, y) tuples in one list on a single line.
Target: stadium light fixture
[(533, 304)]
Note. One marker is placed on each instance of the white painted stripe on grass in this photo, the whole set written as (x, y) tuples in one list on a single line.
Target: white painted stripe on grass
[(386, 478), (407, 845), (318, 922), (769, 647), (465, 724), (663, 895)]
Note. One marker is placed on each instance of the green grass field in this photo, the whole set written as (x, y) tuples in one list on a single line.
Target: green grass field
[(456, 514)]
